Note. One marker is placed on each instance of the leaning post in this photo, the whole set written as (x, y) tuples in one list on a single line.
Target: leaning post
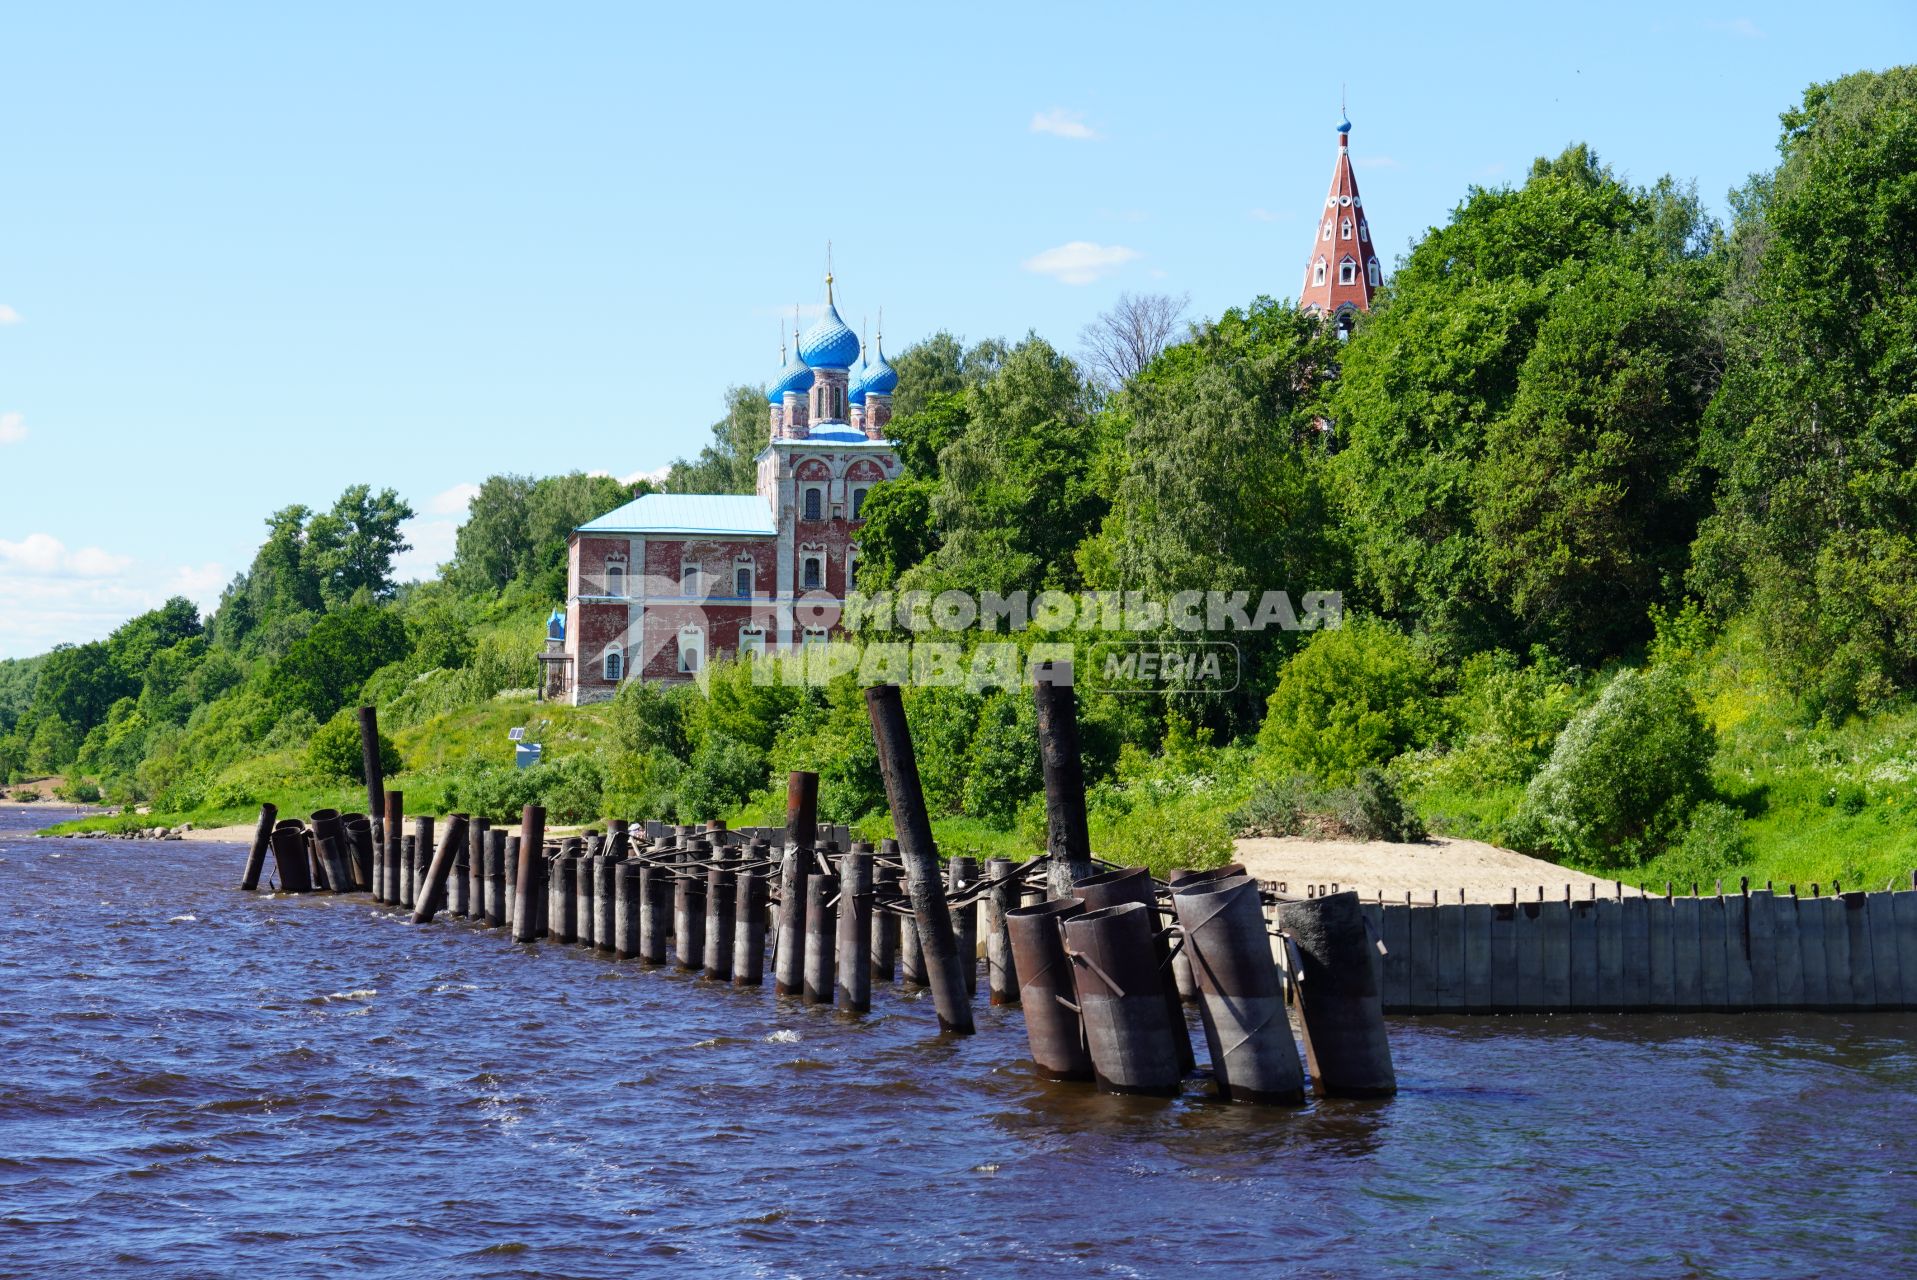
[(899, 765)]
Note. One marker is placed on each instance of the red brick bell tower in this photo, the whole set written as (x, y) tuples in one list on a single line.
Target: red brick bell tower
[(1342, 270)]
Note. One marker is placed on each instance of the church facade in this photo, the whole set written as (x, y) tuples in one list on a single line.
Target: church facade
[(669, 582)]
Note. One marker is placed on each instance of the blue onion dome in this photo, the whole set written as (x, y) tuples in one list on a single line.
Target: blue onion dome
[(881, 378), (796, 376), (829, 344), (856, 393), (1346, 126), (556, 625)]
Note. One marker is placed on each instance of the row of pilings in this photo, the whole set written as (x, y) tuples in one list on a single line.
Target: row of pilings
[(1101, 960)]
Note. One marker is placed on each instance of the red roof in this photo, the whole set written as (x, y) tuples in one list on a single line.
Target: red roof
[(1341, 245)]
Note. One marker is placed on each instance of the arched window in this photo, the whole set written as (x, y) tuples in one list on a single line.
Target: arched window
[(1318, 272), (615, 664), (814, 502), (751, 642), (1344, 229), (691, 580), (615, 579), (858, 502), (1364, 231), (851, 568), (692, 650), (1327, 234), (1347, 272), (742, 578), (1371, 272), (812, 573), (814, 637)]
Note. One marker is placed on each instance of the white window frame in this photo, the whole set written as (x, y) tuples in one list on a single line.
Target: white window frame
[(751, 642), (692, 657), (616, 580), (814, 637), (806, 495), (751, 572), (691, 579), (1344, 229), (1372, 273), (851, 568), (806, 561), (1347, 271), (1364, 232), (859, 494), (1318, 272), (1327, 234), (613, 663)]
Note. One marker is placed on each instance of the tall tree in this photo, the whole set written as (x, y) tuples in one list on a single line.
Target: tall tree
[(353, 545), (1518, 412), (494, 545), (728, 464), (1815, 428), (1130, 335)]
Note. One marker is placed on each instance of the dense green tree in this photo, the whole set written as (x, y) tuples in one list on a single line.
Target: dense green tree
[(557, 506), (78, 683), (941, 365), (1016, 491), (323, 671), (898, 532), (1518, 413), (1815, 428), (1217, 464), (728, 464), (133, 644), (494, 545), (351, 547)]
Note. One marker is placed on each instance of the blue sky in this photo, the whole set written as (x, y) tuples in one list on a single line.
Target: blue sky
[(252, 254)]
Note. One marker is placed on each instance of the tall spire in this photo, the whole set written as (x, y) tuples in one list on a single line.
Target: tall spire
[(1342, 272)]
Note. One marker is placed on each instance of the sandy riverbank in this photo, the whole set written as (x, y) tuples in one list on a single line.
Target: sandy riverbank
[(1484, 872)]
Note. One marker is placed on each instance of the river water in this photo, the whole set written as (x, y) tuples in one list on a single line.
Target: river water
[(196, 1081)]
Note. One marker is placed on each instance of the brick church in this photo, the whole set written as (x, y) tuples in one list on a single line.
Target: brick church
[(669, 582)]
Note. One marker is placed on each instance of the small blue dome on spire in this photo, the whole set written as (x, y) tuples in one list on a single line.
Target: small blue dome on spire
[(796, 376), (556, 625), (881, 378), (1346, 126), (829, 344)]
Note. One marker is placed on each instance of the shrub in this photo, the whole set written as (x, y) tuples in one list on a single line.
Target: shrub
[(80, 792), (334, 751), (1624, 776), (1354, 697), (721, 774), (1370, 808), (1713, 844), (571, 790), (1002, 765)]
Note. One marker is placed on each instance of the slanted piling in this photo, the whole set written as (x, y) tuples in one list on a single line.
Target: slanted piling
[(899, 767), (289, 855), (1122, 1000), (1048, 993), (1134, 884), (1241, 1001), (432, 891), (1338, 997), (256, 853)]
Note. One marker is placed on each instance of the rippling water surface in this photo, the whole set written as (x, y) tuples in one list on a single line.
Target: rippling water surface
[(196, 1081)]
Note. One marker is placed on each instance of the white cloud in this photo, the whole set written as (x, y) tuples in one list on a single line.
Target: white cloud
[(453, 501), (1061, 123), (8, 315), (13, 428), (1080, 261), (657, 475), (52, 595), (433, 543)]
